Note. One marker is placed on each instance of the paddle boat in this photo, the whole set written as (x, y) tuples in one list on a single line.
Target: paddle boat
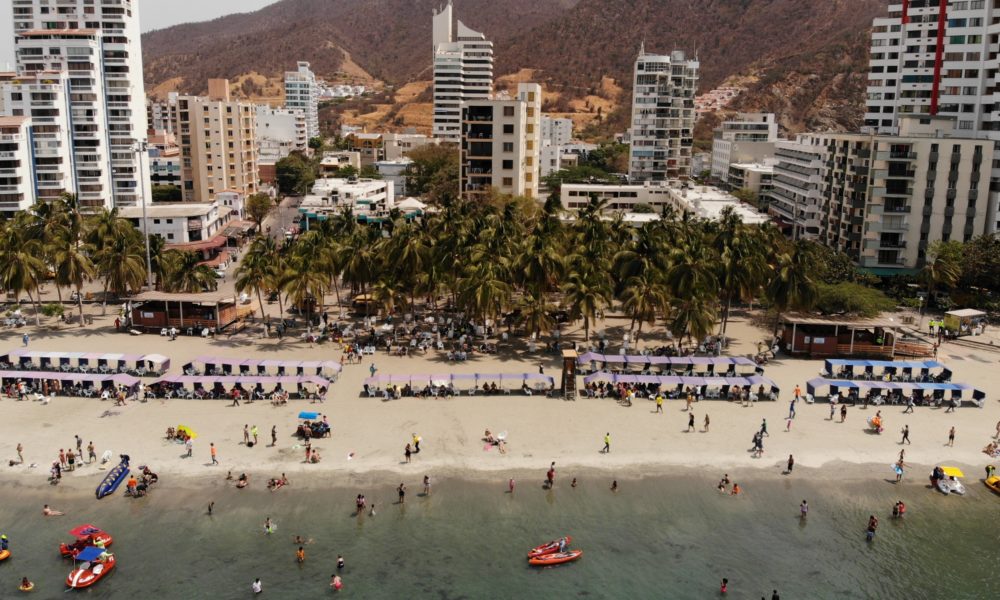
[(86, 535), (113, 479), (993, 482), (4, 555), (556, 558), (94, 564), (548, 548), (945, 480)]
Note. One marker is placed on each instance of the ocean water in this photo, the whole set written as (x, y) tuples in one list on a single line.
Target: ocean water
[(657, 537)]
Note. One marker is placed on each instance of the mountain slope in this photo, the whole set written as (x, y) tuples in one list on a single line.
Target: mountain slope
[(804, 59)]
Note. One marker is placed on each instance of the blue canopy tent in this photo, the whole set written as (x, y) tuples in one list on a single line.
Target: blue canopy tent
[(897, 370), (702, 364), (958, 391)]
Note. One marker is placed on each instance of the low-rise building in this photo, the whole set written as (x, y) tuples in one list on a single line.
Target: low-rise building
[(279, 132), (699, 202), (394, 171), (370, 146), (562, 156), (755, 177), (332, 162), (398, 145), (367, 199), (556, 131), (746, 138), (185, 225)]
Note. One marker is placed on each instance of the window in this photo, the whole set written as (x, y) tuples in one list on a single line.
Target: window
[(508, 111), (508, 146), (170, 236), (156, 221), (508, 164), (508, 129), (508, 181), (169, 221)]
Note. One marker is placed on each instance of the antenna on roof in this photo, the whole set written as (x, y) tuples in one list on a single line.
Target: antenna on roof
[(642, 47)]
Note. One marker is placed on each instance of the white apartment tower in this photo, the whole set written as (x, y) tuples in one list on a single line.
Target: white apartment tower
[(556, 131), (501, 142), (302, 93), (97, 44), (938, 58), (463, 71), (663, 116)]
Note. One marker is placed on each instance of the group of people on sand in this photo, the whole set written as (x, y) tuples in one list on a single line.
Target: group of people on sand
[(500, 441)]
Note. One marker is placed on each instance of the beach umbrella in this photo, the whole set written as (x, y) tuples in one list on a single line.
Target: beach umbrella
[(308, 415), (185, 430)]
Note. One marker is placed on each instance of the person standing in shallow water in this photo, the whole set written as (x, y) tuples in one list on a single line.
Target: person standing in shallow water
[(402, 493)]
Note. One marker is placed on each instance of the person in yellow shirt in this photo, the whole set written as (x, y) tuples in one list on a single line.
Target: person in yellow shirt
[(659, 403)]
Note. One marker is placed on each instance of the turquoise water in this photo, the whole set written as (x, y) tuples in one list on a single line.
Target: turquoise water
[(657, 537)]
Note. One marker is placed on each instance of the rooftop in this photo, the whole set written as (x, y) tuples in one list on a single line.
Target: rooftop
[(171, 210)]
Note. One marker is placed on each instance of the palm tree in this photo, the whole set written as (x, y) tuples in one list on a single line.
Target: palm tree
[(941, 267), (184, 273), (73, 266), (791, 286), (21, 269), (257, 268), (121, 263), (586, 293), (694, 316), (484, 291), (536, 314), (642, 298)]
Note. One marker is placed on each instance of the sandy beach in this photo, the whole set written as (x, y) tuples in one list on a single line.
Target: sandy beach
[(369, 434)]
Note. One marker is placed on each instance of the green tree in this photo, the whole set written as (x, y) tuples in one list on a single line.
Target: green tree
[(316, 143), (184, 273), (433, 173), (370, 172), (21, 269), (258, 206), (167, 193), (295, 174), (847, 298), (257, 268), (791, 286)]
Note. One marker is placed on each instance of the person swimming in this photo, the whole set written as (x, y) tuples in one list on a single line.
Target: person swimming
[(300, 555), (340, 561), (335, 582), (242, 481), (268, 525)]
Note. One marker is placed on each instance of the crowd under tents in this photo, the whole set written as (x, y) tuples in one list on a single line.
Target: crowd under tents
[(919, 371), (96, 381), (958, 391), (85, 362), (221, 366), (732, 365), (222, 386), (709, 387), (467, 382)]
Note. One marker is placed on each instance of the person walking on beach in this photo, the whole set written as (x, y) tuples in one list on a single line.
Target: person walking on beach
[(803, 510), (372, 369), (906, 435), (550, 475), (510, 486), (706, 422), (833, 408), (899, 470), (791, 463), (189, 444), (427, 485), (236, 398), (951, 437), (274, 435), (79, 446), (91, 454), (25, 339), (843, 412), (253, 432), (763, 428), (246, 434), (997, 436), (659, 403), (309, 449), (62, 458), (909, 404), (690, 399), (798, 392), (607, 443), (407, 452), (211, 448), (416, 443), (20, 456), (791, 407), (690, 422), (402, 493)]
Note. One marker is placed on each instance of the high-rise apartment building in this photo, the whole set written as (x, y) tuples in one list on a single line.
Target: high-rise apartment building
[(500, 144), (556, 131), (663, 115), (302, 93), (279, 131), (98, 45), (883, 199), (216, 135), (747, 137), (41, 101), (160, 114), (17, 178), (938, 58), (463, 71)]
